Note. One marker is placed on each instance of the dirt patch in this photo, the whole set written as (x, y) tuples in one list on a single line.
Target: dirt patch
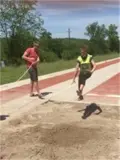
[(57, 132)]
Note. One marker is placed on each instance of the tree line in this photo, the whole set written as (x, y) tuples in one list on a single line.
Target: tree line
[(20, 26)]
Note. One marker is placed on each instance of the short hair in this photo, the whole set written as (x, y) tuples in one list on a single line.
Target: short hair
[(36, 44), (85, 47)]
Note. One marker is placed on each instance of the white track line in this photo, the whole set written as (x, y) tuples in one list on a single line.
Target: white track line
[(106, 95)]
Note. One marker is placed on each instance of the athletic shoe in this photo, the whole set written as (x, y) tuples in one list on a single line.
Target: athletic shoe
[(81, 97)]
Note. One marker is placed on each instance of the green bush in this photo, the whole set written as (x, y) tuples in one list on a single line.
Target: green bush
[(97, 48), (67, 55), (70, 54), (46, 56)]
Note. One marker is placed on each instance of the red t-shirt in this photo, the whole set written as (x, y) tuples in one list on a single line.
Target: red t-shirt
[(31, 54)]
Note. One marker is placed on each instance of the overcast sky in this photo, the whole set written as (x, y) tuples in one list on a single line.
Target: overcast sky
[(76, 15)]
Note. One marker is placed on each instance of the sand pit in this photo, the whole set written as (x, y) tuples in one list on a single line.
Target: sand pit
[(57, 132)]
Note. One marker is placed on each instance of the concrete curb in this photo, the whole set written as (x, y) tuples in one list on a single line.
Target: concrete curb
[(80, 102)]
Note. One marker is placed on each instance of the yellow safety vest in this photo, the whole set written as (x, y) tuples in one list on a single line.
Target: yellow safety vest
[(85, 65)]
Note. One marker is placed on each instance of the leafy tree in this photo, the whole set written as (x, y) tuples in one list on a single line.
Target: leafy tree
[(69, 54), (46, 35), (15, 15), (56, 46), (113, 38), (18, 20), (97, 35), (45, 39), (48, 56)]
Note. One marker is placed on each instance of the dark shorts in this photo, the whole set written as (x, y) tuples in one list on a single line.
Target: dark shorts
[(33, 74), (83, 77)]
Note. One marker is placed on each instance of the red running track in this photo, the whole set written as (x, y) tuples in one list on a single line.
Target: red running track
[(110, 87), (21, 91)]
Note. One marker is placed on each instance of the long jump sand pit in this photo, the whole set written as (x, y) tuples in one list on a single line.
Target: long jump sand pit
[(57, 132)]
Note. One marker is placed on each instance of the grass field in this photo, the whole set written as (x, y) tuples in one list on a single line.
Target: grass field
[(12, 73)]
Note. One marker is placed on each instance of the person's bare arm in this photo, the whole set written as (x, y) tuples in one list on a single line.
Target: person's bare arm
[(37, 61), (94, 66), (25, 57), (76, 71)]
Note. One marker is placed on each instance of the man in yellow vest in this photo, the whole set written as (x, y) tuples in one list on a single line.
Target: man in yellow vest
[(85, 67)]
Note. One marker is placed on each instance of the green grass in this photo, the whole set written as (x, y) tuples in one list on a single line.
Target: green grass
[(11, 74)]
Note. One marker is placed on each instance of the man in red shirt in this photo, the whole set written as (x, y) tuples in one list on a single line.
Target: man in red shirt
[(31, 57)]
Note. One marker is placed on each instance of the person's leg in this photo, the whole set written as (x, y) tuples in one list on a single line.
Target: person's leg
[(31, 89), (81, 91), (81, 87), (37, 87), (32, 82), (81, 84), (37, 83)]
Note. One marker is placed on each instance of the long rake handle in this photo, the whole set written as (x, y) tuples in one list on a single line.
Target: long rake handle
[(24, 74)]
